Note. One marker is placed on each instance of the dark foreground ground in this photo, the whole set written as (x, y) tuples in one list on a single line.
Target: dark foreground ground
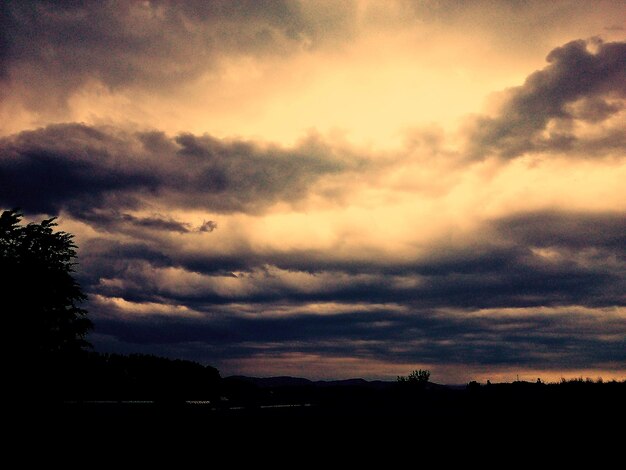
[(308, 422), (247, 400)]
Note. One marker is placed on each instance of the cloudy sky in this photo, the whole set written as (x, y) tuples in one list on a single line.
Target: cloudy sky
[(332, 189)]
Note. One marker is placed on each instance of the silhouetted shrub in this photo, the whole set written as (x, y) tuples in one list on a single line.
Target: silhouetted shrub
[(473, 385), (418, 379)]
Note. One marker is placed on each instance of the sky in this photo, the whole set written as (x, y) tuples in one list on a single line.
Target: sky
[(332, 189)]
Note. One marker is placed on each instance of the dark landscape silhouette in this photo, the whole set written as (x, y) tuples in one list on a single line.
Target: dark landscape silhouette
[(55, 370), (141, 385)]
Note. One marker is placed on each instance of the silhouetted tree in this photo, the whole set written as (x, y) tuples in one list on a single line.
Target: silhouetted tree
[(473, 385), (40, 296), (416, 377), (145, 377)]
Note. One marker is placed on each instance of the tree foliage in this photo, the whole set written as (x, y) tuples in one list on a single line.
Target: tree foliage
[(416, 377), (144, 377), (40, 296)]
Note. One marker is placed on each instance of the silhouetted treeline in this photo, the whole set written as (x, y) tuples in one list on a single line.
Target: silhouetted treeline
[(361, 398), (138, 400), (136, 377), (111, 378)]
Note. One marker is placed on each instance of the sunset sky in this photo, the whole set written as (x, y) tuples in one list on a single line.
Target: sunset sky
[(332, 189)]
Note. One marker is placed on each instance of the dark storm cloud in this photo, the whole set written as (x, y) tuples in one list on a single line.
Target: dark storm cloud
[(113, 221), (578, 84), (566, 338), (535, 259), (80, 169), (133, 262), (58, 46), (43, 170), (101, 258)]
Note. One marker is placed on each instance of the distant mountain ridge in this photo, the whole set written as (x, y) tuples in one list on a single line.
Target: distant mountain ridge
[(269, 382), (288, 381)]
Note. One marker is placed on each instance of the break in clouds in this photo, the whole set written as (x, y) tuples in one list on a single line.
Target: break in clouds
[(500, 247)]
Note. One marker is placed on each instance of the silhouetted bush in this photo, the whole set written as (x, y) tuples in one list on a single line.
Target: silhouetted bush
[(473, 385), (416, 382), (416, 377)]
